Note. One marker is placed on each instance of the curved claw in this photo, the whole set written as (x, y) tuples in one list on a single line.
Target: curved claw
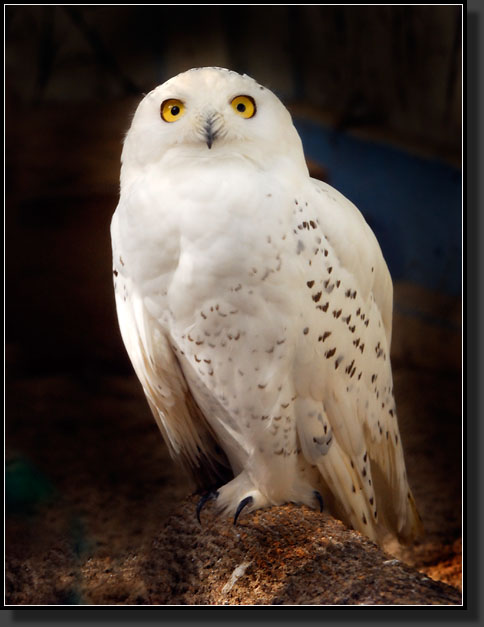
[(320, 500), (208, 496), (243, 503)]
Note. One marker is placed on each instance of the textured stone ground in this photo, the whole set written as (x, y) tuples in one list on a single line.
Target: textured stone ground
[(286, 555)]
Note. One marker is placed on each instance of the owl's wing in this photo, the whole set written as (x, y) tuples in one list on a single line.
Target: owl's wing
[(182, 424), (345, 389)]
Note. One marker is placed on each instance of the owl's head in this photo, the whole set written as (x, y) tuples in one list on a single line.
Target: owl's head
[(211, 113)]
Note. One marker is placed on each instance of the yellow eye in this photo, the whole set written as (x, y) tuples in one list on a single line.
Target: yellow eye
[(171, 110), (244, 106)]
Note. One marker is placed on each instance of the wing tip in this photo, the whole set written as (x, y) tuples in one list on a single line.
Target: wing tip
[(413, 528)]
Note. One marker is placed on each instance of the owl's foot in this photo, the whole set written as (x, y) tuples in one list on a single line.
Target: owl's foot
[(320, 500), (208, 496), (243, 503)]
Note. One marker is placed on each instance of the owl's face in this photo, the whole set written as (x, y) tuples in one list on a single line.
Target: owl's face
[(211, 113)]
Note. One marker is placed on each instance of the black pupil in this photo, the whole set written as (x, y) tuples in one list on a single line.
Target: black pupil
[(241, 107), (175, 110)]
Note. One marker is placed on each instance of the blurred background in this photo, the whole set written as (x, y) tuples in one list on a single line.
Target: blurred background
[(375, 92)]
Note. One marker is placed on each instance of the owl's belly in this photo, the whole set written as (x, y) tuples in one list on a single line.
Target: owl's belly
[(235, 333), (237, 355), (232, 326)]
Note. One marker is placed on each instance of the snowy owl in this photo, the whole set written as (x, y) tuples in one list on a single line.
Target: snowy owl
[(256, 307)]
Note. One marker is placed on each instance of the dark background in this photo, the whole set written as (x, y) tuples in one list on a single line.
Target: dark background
[(376, 94)]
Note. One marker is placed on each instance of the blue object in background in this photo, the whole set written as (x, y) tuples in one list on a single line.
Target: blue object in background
[(412, 204)]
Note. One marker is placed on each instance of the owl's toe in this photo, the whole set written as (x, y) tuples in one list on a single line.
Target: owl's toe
[(240, 493), (243, 503), (208, 496), (319, 498)]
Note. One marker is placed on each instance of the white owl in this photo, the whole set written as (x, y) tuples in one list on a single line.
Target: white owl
[(256, 308)]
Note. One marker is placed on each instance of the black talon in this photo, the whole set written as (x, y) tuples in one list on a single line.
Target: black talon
[(320, 500), (208, 496), (247, 501)]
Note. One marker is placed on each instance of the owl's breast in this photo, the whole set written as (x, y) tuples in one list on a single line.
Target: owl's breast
[(234, 235), (207, 236)]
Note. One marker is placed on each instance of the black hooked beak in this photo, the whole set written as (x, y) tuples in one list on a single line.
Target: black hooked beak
[(210, 133)]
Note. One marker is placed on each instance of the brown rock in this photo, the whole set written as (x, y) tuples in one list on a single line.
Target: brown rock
[(284, 555)]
